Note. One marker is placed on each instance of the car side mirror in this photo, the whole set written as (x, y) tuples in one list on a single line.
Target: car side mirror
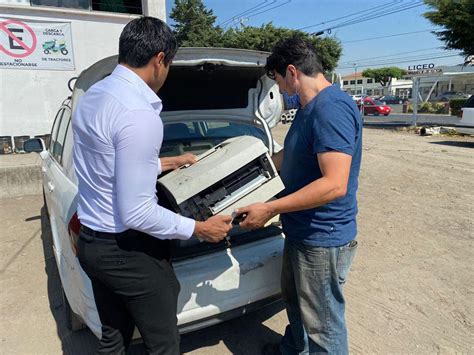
[(34, 145)]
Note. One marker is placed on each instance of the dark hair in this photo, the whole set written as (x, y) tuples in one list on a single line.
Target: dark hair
[(143, 38), (297, 51)]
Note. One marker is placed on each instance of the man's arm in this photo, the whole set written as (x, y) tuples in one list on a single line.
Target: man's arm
[(278, 159), (171, 163), (136, 169), (335, 169)]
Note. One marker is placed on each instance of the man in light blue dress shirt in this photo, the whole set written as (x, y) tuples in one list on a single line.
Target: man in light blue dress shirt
[(124, 240)]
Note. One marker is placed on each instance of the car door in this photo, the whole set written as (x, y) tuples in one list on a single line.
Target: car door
[(48, 161), (63, 197), (368, 107)]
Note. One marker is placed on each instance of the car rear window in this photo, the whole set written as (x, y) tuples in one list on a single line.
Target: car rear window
[(199, 136)]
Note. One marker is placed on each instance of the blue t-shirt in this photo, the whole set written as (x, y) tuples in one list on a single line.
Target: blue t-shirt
[(329, 122)]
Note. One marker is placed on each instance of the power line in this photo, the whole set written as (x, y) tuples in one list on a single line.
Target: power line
[(254, 11), (349, 15), (388, 55), (257, 7), (381, 11), (364, 65), (368, 18), (412, 58), (393, 35), (272, 8)]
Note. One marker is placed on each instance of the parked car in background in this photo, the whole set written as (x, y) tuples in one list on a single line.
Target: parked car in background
[(358, 97), (374, 107), (466, 125), (392, 100), (448, 95), (218, 281)]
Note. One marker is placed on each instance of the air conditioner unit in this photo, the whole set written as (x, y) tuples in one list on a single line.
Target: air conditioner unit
[(233, 174)]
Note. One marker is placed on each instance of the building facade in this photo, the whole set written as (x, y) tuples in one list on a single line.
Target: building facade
[(356, 84), (44, 43), (450, 78)]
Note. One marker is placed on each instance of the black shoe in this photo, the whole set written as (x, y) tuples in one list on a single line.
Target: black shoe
[(271, 349)]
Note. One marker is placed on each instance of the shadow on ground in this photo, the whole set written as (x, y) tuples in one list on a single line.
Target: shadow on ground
[(244, 335), (460, 144)]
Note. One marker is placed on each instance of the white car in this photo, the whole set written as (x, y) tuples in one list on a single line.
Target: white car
[(466, 125), (210, 95), (358, 97)]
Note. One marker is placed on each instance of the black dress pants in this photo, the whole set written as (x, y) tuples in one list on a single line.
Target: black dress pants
[(134, 284)]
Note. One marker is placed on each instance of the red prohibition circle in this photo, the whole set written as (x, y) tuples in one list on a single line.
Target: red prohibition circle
[(29, 50)]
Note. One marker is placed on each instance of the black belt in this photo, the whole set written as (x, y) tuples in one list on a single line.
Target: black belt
[(131, 240), (101, 235)]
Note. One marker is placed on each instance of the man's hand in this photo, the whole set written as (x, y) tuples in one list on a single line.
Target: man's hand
[(214, 229), (186, 158), (171, 163), (257, 215)]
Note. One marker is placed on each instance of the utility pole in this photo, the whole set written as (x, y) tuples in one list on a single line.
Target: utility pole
[(355, 78)]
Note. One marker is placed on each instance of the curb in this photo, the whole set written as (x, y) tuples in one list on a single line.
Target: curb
[(20, 180)]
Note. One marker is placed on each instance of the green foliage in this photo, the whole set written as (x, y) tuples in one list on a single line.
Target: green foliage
[(441, 108), (383, 75), (194, 24), (426, 107), (195, 28), (455, 105), (456, 17), (265, 37)]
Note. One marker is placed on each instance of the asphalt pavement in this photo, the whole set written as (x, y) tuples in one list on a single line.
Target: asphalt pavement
[(406, 119)]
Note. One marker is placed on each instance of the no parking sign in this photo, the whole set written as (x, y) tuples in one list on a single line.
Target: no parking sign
[(35, 45)]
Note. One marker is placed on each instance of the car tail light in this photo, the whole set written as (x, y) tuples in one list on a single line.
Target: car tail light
[(73, 228)]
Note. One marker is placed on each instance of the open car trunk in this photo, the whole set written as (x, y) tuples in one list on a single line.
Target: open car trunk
[(211, 94)]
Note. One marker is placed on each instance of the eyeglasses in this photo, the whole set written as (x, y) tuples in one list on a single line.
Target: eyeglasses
[(271, 74)]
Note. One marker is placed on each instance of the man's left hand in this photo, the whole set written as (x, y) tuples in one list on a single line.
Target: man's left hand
[(185, 159), (257, 215)]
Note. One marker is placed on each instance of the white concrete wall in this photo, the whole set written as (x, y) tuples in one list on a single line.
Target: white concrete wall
[(30, 98)]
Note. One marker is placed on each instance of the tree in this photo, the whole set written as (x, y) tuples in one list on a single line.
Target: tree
[(383, 75), (194, 27), (265, 37), (457, 20), (194, 24)]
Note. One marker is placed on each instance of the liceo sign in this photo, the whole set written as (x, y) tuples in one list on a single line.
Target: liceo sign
[(421, 66)]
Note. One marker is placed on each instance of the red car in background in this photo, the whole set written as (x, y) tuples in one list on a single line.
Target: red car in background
[(374, 107)]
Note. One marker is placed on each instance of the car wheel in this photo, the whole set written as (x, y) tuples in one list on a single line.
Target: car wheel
[(73, 322), (385, 114)]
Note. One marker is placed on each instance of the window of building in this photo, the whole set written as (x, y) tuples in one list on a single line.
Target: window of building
[(353, 82), (369, 92), (345, 82), (370, 81), (118, 6), (359, 81), (359, 92)]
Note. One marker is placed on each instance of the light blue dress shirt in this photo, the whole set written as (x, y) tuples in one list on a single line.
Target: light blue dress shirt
[(117, 139)]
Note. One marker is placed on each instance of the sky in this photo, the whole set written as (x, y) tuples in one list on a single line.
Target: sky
[(360, 49)]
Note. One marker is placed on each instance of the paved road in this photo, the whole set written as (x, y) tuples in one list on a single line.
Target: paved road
[(410, 288), (399, 119)]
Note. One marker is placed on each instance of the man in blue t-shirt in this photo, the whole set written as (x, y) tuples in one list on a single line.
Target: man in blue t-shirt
[(320, 167)]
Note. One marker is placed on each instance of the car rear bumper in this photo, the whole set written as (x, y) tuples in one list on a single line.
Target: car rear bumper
[(228, 283)]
